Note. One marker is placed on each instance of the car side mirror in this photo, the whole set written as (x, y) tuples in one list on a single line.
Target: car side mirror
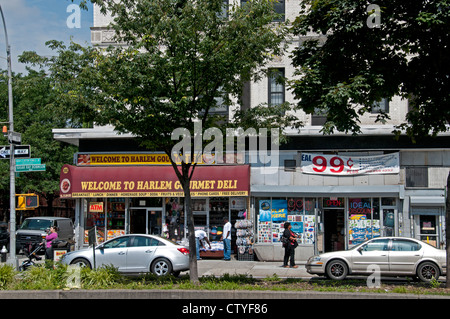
[(101, 247), (360, 249)]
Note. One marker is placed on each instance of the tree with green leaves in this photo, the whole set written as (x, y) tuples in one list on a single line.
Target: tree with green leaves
[(34, 117), (176, 59), (374, 50)]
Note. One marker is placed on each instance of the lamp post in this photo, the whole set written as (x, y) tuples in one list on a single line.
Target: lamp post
[(12, 167)]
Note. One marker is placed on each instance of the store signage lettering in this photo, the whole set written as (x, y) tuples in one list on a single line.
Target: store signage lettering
[(152, 181), (350, 165), (151, 185), (131, 159), (359, 206), (333, 202), (96, 207)]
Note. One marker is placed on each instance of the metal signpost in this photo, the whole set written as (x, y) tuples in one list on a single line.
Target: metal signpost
[(12, 208)]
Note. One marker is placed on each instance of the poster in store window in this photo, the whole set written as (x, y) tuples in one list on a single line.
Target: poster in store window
[(265, 214), (279, 210)]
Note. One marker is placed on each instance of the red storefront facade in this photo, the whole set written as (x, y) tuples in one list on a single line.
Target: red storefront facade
[(121, 199)]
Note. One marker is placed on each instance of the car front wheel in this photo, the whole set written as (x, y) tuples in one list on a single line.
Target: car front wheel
[(337, 270), (81, 262), (161, 267), (427, 271)]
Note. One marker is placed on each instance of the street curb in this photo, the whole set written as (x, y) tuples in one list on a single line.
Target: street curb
[(201, 294)]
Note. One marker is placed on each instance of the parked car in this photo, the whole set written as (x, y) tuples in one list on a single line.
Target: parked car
[(395, 256), (135, 253), (34, 229)]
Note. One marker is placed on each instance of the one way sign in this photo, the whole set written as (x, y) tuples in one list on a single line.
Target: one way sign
[(20, 151)]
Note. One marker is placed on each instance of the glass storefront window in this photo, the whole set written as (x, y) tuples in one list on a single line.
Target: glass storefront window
[(199, 210), (295, 206), (388, 201), (272, 213), (146, 202), (173, 227), (107, 215), (310, 205), (264, 221), (95, 217), (363, 219), (428, 229)]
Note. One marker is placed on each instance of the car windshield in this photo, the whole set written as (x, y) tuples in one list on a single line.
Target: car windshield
[(36, 224)]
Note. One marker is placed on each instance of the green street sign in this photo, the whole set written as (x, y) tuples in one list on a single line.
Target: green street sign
[(30, 168), (28, 161)]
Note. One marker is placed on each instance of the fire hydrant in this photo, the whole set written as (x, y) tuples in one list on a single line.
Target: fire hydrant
[(3, 252)]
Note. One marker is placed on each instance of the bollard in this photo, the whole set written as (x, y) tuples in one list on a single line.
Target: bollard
[(3, 253)]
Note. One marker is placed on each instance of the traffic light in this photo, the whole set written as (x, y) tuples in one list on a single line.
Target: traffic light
[(27, 201)]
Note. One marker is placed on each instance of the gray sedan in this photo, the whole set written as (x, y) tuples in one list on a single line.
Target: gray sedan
[(392, 256), (136, 253)]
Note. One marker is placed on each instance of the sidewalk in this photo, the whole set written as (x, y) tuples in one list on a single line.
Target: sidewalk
[(256, 269)]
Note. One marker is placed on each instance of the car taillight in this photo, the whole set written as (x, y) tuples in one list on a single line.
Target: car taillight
[(184, 251)]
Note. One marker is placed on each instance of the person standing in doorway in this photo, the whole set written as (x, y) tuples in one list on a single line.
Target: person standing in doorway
[(289, 248), (226, 238), (200, 235)]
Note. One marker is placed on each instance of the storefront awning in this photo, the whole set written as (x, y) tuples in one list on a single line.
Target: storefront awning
[(427, 201), (327, 191), (152, 181)]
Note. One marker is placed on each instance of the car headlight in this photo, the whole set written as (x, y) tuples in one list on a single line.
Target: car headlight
[(313, 259)]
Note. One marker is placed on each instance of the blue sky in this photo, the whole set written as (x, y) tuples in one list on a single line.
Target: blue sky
[(30, 23)]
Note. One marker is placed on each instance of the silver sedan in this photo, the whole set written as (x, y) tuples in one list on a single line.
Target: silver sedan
[(136, 253), (392, 256)]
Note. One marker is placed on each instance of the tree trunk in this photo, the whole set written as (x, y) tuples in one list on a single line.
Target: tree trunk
[(193, 270), (447, 230)]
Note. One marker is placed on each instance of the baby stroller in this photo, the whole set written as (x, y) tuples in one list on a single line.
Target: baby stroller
[(31, 251)]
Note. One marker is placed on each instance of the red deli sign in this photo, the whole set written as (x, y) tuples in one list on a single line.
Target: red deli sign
[(152, 181)]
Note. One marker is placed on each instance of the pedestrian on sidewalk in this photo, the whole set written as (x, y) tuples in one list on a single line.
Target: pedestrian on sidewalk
[(226, 238), (289, 248), (51, 236), (200, 235)]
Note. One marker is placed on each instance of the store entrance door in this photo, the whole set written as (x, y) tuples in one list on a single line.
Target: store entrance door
[(388, 217), (334, 229), (146, 221)]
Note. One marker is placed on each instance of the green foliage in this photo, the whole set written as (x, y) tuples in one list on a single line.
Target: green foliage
[(178, 58), (100, 278), (37, 110), (7, 274), (43, 277), (181, 56), (408, 55)]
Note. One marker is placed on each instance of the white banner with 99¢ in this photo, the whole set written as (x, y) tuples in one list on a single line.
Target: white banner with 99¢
[(350, 165)]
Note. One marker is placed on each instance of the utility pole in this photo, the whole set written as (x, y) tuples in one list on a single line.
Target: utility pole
[(447, 230), (12, 167)]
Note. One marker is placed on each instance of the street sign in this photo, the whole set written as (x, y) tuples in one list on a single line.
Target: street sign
[(28, 161), (23, 151), (30, 168), (14, 137)]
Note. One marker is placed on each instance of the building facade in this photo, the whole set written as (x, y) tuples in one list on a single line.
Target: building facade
[(401, 191)]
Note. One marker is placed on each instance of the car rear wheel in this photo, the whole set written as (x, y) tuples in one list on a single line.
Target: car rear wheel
[(81, 262), (337, 270), (161, 267), (427, 271)]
